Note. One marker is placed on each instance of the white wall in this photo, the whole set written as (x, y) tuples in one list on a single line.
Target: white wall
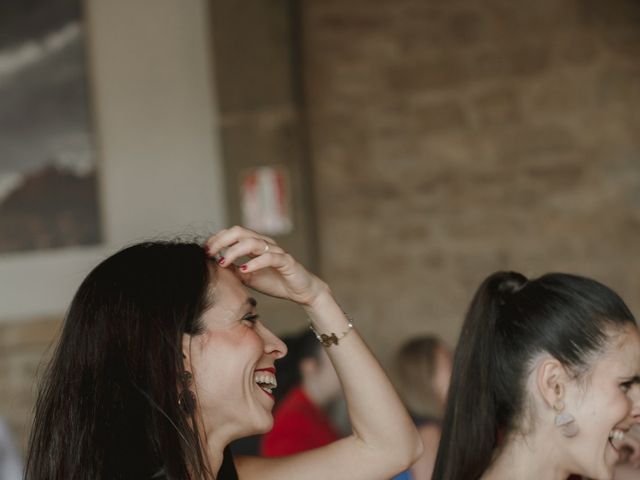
[(160, 167)]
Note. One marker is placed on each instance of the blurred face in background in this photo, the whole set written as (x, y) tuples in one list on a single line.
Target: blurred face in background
[(442, 373), (320, 379), (423, 370)]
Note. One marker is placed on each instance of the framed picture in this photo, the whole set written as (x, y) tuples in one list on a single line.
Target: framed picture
[(53, 231), (50, 225), (48, 188)]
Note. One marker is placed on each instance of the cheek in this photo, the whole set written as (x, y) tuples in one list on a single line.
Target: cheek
[(617, 402), (253, 343), (235, 344), (634, 396), (225, 358), (609, 408), (623, 405)]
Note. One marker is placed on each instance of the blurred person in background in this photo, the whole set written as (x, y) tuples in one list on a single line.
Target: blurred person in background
[(163, 361), (423, 371), (301, 421), (10, 463), (545, 383)]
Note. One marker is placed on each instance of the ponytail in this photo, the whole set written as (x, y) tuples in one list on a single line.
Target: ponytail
[(509, 322), (471, 421)]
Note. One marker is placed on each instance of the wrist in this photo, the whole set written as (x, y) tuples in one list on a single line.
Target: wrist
[(325, 315), (331, 338), (321, 297)]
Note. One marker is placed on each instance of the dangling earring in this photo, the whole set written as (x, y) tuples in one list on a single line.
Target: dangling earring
[(186, 398), (565, 421)]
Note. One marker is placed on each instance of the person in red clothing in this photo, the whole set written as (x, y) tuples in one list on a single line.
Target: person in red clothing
[(308, 386)]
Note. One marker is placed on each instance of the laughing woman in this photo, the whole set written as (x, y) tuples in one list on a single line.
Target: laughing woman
[(164, 360), (546, 382)]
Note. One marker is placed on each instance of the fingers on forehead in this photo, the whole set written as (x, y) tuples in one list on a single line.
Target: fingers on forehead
[(227, 237), (271, 259), (245, 246)]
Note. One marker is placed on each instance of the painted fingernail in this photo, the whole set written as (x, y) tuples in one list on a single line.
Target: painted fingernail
[(243, 268), (221, 261)]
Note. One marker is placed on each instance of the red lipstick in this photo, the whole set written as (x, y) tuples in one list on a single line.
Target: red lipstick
[(270, 370)]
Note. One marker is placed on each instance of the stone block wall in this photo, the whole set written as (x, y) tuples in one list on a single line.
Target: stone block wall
[(257, 82), (24, 349), (452, 138)]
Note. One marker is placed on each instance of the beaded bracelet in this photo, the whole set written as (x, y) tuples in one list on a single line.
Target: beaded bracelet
[(332, 338)]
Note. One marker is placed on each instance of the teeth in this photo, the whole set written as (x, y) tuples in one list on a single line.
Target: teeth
[(266, 381), (616, 435)]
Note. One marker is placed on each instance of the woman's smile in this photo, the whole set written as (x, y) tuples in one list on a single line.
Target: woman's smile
[(265, 378)]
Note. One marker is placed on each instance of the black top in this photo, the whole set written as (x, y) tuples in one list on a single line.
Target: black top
[(227, 469)]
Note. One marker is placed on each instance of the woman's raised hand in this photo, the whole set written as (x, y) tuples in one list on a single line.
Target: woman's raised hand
[(270, 269), (384, 439)]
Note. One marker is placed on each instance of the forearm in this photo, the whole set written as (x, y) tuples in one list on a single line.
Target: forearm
[(384, 440), (378, 417)]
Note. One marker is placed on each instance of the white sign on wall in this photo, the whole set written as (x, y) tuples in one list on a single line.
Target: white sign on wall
[(266, 202)]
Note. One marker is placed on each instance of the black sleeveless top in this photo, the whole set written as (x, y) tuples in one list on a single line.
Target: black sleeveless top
[(227, 469)]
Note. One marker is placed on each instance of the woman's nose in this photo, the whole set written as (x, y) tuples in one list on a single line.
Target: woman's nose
[(273, 344)]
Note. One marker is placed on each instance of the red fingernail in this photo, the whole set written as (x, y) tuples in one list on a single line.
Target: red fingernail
[(243, 268), (221, 261)]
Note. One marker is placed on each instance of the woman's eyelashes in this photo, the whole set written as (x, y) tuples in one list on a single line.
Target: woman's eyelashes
[(251, 318), (626, 386)]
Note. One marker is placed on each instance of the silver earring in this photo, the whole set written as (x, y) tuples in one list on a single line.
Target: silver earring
[(565, 421)]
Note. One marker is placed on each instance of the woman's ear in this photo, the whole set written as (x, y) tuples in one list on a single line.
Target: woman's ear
[(186, 351), (551, 378)]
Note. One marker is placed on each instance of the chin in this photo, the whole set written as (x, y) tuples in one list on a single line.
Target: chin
[(604, 472), (264, 430), (605, 476), (265, 425)]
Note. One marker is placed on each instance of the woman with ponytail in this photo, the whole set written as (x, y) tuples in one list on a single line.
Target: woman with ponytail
[(546, 382)]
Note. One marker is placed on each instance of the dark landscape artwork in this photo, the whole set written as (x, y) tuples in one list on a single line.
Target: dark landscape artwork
[(48, 188)]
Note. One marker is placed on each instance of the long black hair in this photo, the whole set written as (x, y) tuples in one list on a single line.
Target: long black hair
[(510, 320), (108, 404)]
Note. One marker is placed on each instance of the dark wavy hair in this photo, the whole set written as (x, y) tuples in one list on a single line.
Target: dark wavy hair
[(108, 403), (510, 321)]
